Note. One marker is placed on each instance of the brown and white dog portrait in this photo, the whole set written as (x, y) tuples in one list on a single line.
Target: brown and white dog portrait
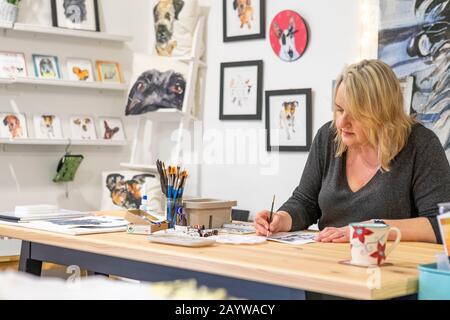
[(126, 193), (109, 132), (14, 126), (165, 13), (83, 128), (47, 126), (245, 12), (287, 117)]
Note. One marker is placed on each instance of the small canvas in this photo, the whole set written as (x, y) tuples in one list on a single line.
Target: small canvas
[(13, 126), (82, 128), (47, 126), (111, 129), (108, 71), (46, 67), (80, 70), (12, 65)]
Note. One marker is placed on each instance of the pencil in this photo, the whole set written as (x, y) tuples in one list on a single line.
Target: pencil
[(271, 215)]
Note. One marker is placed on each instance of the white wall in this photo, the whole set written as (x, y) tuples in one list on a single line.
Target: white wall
[(334, 42)]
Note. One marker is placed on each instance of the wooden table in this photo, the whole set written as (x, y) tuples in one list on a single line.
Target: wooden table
[(264, 271)]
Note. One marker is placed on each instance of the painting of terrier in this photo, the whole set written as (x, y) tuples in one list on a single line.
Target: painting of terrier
[(13, 126)]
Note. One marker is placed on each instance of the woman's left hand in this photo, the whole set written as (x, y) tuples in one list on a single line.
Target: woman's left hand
[(336, 235)]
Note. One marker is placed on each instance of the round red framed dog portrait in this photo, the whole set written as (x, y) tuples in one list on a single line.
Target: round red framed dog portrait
[(288, 35)]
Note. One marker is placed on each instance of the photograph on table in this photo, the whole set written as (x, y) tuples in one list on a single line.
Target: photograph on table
[(413, 39), (46, 67), (47, 126), (288, 35), (111, 129), (241, 85), (244, 20), (76, 14), (80, 70), (109, 71), (12, 65), (82, 128), (288, 120), (13, 126), (156, 83)]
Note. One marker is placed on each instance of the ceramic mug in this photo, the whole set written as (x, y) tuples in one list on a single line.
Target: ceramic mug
[(368, 243)]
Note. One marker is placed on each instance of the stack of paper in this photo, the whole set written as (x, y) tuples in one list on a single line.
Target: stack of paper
[(22, 216)]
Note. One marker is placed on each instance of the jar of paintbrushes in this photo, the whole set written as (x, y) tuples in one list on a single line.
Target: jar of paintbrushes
[(173, 181)]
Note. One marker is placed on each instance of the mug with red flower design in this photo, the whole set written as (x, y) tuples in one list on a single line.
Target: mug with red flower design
[(368, 243)]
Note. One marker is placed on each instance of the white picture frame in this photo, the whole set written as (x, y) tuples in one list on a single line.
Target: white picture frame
[(82, 128), (46, 67), (12, 65), (47, 126), (13, 125), (111, 129), (80, 70)]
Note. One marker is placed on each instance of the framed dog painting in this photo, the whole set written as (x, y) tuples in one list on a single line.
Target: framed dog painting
[(288, 120), (76, 14), (288, 35), (244, 20), (47, 126), (82, 128), (111, 129), (80, 70), (241, 86), (13, 126), (46, 67), (12, 65), (109, 71)]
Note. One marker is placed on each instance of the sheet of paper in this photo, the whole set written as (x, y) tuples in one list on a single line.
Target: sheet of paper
[(298, 237)]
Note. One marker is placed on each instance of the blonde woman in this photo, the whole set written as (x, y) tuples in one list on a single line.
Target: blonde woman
[(371, 162)]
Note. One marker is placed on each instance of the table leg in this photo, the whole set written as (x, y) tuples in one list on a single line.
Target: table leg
[(26, 264)]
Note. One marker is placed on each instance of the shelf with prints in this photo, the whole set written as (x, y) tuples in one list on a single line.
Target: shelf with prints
[(63, 142), (36, 30), (65, 83)]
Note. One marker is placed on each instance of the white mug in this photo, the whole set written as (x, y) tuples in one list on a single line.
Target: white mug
[(368, 243)]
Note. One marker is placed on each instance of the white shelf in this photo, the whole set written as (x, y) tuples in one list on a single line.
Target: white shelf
[(167, 115), (35, 29), (140, 167), (67, 83), (5, 25), (190, 59), (64, 142)]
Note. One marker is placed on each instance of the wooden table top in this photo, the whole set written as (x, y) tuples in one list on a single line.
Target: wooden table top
[(313, 267)]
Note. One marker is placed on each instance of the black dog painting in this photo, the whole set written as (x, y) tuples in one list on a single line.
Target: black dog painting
[(126, 193), (75, 10), (154, 90)]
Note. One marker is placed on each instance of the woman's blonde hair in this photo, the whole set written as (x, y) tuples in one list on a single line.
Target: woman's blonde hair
[(374, 99)]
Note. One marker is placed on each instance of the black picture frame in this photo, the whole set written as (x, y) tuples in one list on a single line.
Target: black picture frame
[(262, 26), (259, 90), (308, 117), (55, 17)]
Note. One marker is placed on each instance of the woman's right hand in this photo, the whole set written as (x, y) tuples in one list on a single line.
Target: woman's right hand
[(281, 222)]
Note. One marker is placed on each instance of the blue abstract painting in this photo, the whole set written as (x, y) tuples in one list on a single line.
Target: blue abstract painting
[(414, 39)]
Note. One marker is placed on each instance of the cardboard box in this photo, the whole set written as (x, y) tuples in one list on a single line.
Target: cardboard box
[(211, 213), (141, 218)]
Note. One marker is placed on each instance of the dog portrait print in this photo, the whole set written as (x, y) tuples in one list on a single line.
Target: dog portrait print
[(245, 12), (47, 126), (288, 35), (126, 193), (165, 13), (14, 125), (82, 128), (154, 90), (75, 10), (287, 118), (46, 67)]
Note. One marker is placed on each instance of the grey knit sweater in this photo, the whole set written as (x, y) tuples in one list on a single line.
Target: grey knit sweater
[(418, 180)]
